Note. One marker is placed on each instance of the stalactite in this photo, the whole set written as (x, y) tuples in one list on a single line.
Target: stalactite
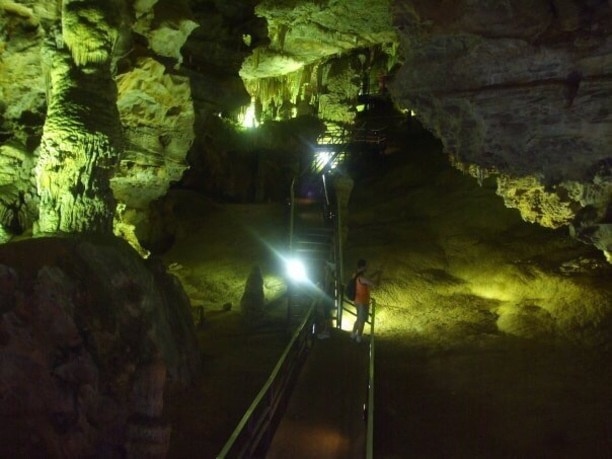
[(87, 32)]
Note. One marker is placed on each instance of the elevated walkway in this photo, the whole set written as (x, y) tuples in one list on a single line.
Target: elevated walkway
[(325, 415), (341, 141), (314, 403)]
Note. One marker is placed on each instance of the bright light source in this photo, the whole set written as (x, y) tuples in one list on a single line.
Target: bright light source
[(249, 119), (296, 270), (322, 158)]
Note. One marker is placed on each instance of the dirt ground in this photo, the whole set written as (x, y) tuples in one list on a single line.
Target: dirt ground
[(493, 335)]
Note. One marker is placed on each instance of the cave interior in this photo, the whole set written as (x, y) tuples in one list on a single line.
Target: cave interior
[(147, 153)]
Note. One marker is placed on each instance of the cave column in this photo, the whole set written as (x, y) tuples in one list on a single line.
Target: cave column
[(82, 132)]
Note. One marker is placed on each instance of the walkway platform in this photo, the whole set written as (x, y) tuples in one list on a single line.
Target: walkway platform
[(325, 413)]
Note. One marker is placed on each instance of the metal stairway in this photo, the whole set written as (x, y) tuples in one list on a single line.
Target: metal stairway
[(312, 242)]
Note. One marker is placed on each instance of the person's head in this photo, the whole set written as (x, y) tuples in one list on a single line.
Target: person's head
[(362, 265)]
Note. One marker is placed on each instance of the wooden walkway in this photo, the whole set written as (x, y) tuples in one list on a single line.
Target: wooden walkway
[(325, 413)]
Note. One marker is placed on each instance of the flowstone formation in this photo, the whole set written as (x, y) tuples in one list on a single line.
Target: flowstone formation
[(319, 57)]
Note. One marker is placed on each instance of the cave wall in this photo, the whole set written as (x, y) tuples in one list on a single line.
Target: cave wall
[(91, 336), (521, 92), (516, 91)]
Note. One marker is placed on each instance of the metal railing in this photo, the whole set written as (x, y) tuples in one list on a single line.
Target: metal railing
[(291, 214), (255, 429), (369, 406), (370, 402), (254, 432)]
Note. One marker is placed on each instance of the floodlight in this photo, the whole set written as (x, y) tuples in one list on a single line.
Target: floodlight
[(296, 270)]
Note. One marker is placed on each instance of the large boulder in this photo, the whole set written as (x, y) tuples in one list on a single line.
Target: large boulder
[(90, 336)]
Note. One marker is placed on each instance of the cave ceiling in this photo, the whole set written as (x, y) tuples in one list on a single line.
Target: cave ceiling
[(519, 91)]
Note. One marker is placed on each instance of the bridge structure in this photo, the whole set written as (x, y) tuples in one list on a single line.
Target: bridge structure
[(338, 144)]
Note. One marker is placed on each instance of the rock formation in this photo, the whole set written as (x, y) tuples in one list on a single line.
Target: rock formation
[(549, 63), (88, 332), (106, 105), (519, 93)]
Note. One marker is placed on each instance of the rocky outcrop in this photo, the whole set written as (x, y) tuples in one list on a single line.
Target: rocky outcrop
[(90, 336), (520, 92), (517, 91), (318, 56), (157, 116), (87, 47)]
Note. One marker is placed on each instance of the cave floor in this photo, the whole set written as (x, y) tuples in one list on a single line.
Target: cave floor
[(492, 334)]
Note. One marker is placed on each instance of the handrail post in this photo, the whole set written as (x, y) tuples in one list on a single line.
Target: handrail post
[(343, 185), (290, 291), (291, 213), (370, 421), (339, 266)]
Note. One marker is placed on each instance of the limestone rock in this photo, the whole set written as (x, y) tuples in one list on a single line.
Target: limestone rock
[(303, 32), (157, 113), (520, 91), (87, 332), (514, 90), (166, 26), (18, 200)]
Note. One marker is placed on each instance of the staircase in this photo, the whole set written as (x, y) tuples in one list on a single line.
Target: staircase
[(311, 242)]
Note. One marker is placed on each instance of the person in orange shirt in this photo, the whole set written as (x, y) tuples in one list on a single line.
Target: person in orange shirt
[(362, 298)]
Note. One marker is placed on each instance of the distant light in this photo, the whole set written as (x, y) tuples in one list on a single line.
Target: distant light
[(360, 107), (296, 270)]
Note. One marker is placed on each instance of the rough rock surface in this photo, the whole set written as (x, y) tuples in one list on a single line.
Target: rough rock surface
[(157, 115), (517, 90), (305, 32), (89, 337), (161, 101), (520, 91)]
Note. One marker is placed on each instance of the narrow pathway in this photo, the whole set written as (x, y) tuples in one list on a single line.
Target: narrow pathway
[(325, 414)]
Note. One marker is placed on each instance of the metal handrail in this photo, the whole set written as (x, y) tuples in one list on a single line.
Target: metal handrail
[(291, 214), (370, 420), (370, 392), (257, 423)]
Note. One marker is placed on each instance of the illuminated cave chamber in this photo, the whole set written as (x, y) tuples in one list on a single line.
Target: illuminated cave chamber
[(113, 114)]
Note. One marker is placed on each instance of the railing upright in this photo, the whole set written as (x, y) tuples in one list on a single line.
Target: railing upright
[(370, 419), (291, 214), (339, 266)]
